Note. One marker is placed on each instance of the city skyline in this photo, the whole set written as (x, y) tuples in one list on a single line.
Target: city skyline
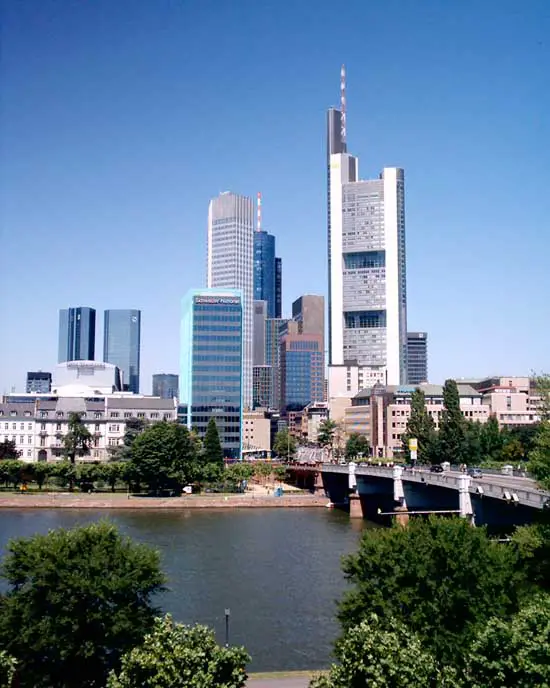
[(468, 121)]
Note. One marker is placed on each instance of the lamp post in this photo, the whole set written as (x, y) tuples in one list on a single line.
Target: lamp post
[(227, 615)]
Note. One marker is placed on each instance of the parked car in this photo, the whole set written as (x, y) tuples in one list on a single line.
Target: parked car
[(436, 468), (475, 472)]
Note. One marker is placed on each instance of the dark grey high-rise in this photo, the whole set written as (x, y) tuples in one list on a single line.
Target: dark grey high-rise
[(166, 385), (122, 343), (278, 287), (39, 381), (417, 357), (76, 334)]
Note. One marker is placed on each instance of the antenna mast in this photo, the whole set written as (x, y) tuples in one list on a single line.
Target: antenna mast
[(343, 104), (259, 215)]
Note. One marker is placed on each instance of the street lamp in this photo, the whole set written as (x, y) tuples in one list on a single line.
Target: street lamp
[(227, 614)]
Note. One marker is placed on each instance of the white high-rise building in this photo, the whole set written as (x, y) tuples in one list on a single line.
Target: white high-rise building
[(367, 268), (231, 264)]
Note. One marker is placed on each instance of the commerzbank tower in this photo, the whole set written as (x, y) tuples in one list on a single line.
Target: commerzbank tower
[(367, 284)]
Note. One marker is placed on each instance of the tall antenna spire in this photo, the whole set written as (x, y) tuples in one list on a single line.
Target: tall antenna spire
[(259, 215), (343, 103)]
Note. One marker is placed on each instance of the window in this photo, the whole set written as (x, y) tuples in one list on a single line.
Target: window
[(141, 415), (113, 441), (154, 415), (6, 426), (29, 426), (114, 428), (59, 414), (166, 416), (14, 426), (42, 441), (42, 426), (13, 413), (127, 414), (114, 414), (43, 414), (97, 427), (29, 453), (27, 413), (29, 439), (21, 439), (97, 415), (22, 426), (58, 427)]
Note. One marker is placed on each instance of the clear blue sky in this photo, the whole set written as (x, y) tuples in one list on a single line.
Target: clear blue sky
[(122, 118)]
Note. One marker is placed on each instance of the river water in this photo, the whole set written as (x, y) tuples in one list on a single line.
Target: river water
[(277, 570)]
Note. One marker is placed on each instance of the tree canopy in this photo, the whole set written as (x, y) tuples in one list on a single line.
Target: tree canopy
[(420, 426), (284, 444), (177, 656), (212, 448), (357, 444), (164, 457), (452, 426), (78, 439), (325, 434), (76, 601), (8, 450), (440, 577)]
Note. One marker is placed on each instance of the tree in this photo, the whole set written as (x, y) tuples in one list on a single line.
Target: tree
[(177, 656), (133, 428), (65, 472), (420, 426), (473, 430), (111, 473), (513, 652), (452, 426), (237, 472), (212, 448), (357, 444), (8, 450), (77, 600), (39, 472), (492, 440), (11, 472), (440, 577), (325, 434), (284, 444), (163, 457), (542, 388), (8, 666), (376, 654), (532, 544), (78, 439), (539, 458)]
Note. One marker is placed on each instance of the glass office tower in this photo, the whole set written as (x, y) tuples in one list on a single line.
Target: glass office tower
[(417, 357), (39, 381), (211, 364), (76, 334), (302, 374), (166, 385), (265, 277), (121, 345)]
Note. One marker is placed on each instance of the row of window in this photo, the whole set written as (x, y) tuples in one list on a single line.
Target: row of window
[(14, 426)]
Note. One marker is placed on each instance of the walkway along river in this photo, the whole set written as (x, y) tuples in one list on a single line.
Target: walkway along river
[(277, 570)]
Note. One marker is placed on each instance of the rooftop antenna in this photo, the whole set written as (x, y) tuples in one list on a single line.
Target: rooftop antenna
[(259, 215), (343, 103)]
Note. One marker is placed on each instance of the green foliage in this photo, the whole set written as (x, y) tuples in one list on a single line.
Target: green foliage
[(212, 448), (513, 652), (8, 450), (440, 577), (452, 427), (65, 473), (542, 386), (325, 435), (164, 457), (357, 444), (376, 654), (492, 440), (11, 472), (39, 472), (539, 458), (78, 439), (285, 444), (77, 600), (420, 426), (178, 656), (532, 544), (8, 665), (237, 472)]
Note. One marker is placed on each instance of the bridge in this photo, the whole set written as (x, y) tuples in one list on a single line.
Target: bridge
[(497, 500)]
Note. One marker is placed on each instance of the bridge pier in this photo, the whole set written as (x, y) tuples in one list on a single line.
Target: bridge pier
[(402, 516), (465, 500), (355, 508)]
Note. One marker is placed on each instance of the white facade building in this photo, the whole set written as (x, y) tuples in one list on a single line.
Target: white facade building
[(231, 264), (367, 266)]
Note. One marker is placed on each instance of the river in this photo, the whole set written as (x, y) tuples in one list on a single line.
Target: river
[(277, 570)]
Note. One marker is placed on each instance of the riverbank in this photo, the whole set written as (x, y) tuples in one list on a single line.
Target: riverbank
[(281, 679), (67, 500)]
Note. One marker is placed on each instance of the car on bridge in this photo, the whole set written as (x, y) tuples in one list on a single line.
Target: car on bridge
[(475, 472), (436, 468)]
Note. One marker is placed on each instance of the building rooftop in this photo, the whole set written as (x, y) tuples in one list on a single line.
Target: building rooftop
[(406, 390), (147, 403)]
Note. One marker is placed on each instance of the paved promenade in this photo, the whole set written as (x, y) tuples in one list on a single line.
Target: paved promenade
[(121, 501), (298, 681)]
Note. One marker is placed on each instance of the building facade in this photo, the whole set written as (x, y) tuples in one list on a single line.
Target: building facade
[(122, 344), (278, 288), (262, 386), (260, 316), (38, 381), (256, 434), (511, 399), (231, 264), (417, 357), (76, 334), (265, 271), (38, 423), (166, 386), (211, 364), (366, 262), (302, 378), (309, 312), (274, 330)]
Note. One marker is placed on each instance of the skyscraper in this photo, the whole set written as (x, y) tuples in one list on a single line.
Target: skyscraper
[(165, 386), (231, 264), (211, 364), (260, 316), (76, 334), (278, 288), (122, 344), (309, 312), (39, 381), (302, 374), (267, 268), (366, 257), (417, 357)]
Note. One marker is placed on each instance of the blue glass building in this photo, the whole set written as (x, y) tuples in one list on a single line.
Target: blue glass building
[(211, 364), (76, 334), (302, 374), (122, 344), (267, 273)]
